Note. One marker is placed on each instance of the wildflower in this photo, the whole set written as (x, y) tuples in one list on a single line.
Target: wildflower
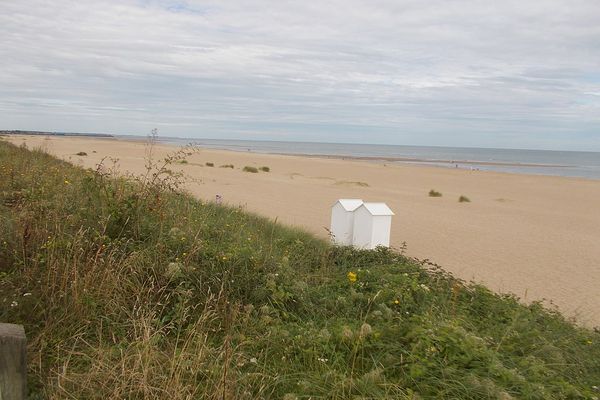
[(323, 360), (67, 182), (589, 342), (424, 287), (365, 330), (14, 304), (347, 333), (352, 276), (26, 294), (224, 258), (253, 360)]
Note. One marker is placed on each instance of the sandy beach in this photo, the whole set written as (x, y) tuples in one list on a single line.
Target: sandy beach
[(535, 236)]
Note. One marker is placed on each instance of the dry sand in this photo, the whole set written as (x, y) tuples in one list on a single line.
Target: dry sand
[(535, 236)]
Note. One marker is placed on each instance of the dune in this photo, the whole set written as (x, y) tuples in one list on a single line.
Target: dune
[(534, 236)]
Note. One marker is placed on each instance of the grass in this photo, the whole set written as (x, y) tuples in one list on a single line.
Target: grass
[(464, 199), (253, 170), (209, 164), (133, 289), (434, 193), (227, 166), (265, 169)]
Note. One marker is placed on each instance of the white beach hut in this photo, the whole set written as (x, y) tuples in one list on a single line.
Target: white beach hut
[(342, 220), (372, 225)]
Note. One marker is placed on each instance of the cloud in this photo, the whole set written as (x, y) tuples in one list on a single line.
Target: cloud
[(409, 72)]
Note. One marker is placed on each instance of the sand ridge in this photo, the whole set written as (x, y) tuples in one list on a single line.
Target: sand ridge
[(535, 236)]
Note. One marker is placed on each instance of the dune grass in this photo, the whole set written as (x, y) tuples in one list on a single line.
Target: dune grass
[(129, 288), (248, 168)]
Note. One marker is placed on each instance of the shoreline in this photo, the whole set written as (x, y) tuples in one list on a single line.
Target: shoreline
[(535, 236)]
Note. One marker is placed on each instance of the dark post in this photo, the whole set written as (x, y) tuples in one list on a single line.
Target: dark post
[(13, 362)]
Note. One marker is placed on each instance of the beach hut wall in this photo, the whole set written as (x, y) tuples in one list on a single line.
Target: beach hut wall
[(342, 220), (372, 225)]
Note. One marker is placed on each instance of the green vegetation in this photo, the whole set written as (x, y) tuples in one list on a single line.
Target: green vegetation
[(434, 193), (227, 166), (209, 164), (265, 169), (182, 161), (81, 153), (247, 168), (464, 199), (132, 289)]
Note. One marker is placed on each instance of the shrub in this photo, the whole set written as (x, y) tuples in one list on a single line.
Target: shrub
[(247, 168), (209, 164), (434, 193), (226, 166), (81, 153), (265, 169), (463, 199)]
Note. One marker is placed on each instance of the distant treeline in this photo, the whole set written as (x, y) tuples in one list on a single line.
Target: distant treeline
[(18, 132)]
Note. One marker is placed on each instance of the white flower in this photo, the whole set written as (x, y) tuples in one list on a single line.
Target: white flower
[(323, 360), (26, 294), (253, 360), (14, 304)]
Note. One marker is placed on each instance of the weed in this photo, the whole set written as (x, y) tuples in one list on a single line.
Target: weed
[(464, 199), (265, 169), (227, 166), (434, 193), (247, 168), (81, 153), (209, 164)]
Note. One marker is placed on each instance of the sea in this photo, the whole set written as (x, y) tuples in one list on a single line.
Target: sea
[(581, 164)]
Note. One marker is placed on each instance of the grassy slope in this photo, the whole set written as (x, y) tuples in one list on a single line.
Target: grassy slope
[(128, 290)]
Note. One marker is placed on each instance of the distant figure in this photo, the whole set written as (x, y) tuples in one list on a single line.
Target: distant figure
[(218, 199)]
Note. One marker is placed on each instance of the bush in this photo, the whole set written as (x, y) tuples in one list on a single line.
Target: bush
[(209, 164), (247, 168), (434, 193), (81, 153), (265, 169), (226, 166), (463, 199)]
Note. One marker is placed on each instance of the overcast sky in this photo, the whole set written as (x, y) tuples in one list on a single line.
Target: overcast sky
[(517, 74)]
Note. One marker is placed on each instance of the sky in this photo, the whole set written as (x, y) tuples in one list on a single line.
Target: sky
[(511, 74)]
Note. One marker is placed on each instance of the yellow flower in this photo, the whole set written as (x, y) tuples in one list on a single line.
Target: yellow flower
[(67, 182), (396, 301), (352, 276)]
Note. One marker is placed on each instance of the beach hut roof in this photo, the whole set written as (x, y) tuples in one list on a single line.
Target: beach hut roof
[(350, 204), (378, 209)]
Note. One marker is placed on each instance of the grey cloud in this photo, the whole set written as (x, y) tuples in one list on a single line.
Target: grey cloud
[(410, 72)]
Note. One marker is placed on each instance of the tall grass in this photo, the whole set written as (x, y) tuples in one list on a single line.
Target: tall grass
[(129, 288)]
